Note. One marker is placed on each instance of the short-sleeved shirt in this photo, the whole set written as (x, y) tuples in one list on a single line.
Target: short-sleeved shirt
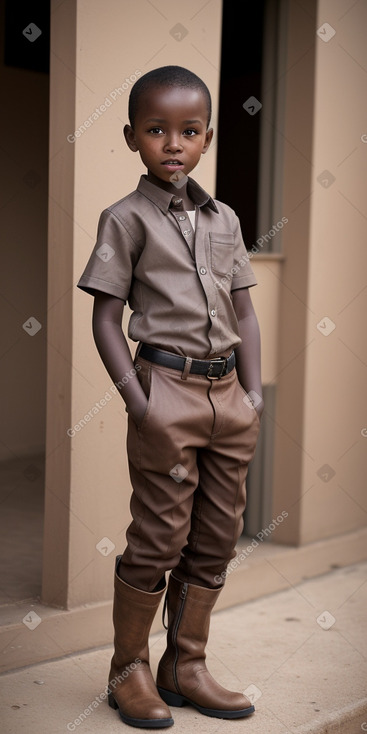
[(176, 279)]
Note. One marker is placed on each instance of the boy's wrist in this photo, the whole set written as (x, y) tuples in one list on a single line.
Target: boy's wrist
[(137, 412)]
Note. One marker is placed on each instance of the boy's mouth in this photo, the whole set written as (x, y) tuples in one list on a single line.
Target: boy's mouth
[(172, 164)]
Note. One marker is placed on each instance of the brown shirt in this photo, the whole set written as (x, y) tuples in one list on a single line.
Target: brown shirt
[(177, 281)]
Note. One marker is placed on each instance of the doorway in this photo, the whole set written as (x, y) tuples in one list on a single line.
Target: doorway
[(25, 49), (250, 62)]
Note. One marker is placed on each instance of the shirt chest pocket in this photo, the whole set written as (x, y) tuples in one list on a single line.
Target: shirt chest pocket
[(221, 252)]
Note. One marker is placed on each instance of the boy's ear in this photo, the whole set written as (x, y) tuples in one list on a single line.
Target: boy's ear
[(130, 138), (208, 139)]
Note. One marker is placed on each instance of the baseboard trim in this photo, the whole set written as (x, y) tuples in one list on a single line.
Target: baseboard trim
[(267, 569)]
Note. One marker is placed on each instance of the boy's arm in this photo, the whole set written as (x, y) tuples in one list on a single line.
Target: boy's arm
[(115, 354), (248, 354)]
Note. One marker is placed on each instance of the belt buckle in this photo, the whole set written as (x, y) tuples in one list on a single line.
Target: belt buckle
[(209, 374)]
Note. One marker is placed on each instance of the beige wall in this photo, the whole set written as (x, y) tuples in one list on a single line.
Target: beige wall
[(322, 379), (88, 472), (336, 376)]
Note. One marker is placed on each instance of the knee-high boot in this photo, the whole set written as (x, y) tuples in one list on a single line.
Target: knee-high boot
[(131, 687), (182, 673)]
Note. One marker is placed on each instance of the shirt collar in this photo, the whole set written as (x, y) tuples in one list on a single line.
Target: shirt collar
[(162, 198)]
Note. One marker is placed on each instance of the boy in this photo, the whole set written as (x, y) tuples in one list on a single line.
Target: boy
[(178, 258)]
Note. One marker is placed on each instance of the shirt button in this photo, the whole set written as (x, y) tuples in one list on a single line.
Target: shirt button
[(213, 312), (176, 202), (203, 271), (182, 218), (186, 232)]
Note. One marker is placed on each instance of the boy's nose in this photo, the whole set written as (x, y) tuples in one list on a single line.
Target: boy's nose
[(173, 144)]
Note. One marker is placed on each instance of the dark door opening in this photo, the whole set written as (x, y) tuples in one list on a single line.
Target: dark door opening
[(239, 170), (239, 127), (24, 72)]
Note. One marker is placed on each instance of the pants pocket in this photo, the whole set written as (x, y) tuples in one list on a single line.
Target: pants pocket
[(145, 376), (247, 401)]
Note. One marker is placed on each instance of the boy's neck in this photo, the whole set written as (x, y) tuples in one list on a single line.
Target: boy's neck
[(180, 192)]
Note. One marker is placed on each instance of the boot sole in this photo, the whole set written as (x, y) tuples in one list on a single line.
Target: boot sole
[(175, 699), (139, 723)]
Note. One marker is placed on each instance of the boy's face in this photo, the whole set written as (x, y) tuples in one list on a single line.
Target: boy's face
[(170, 131)]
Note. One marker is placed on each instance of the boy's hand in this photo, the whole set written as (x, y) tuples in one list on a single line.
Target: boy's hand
[(248, 359)]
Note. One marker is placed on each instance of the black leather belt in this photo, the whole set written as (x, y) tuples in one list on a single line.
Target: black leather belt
[(214, 369)]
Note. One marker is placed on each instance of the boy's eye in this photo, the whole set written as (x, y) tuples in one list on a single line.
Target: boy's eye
[(189, 132)]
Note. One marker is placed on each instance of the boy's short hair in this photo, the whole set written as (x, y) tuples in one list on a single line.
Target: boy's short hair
[(167, 76)]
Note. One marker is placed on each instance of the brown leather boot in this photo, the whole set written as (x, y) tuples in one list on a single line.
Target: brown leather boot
[(131, 687), (182, 674)]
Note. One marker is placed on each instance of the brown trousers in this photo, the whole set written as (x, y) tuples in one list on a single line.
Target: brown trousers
[(188, 462)]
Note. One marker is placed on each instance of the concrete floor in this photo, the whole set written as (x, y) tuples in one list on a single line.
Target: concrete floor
[(21, 528), (301, 653)]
